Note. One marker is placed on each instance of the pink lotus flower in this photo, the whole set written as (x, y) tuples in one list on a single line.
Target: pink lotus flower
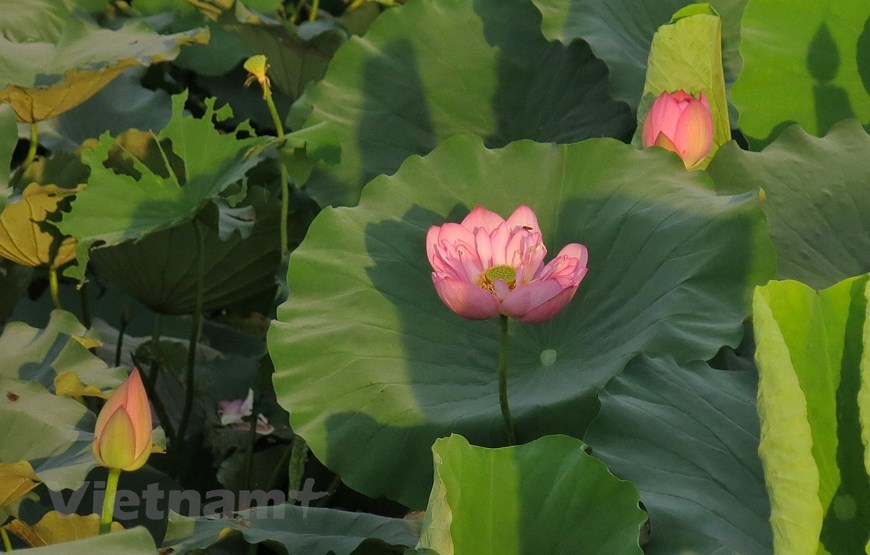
[(680, 123), (122, 437), (487, 266), (233, 414)]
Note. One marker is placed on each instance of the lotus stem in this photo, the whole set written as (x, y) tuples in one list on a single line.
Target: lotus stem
[(248, 467), (298, 455), (86, 305), (31, 150), (312, 15), (502, 383), (285, 180), (7, 544), (195, 329), (53, 286), (109, 500)]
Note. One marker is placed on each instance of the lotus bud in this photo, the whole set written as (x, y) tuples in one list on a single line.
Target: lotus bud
[(681, 123), (122, 437)]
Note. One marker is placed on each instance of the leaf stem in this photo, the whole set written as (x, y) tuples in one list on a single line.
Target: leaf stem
[(7, 544), (502, 382), (194, 334), (248, 467), (53, 286), (86, 305), (31, 150), (312, 15), (298, 455), (109, 500)]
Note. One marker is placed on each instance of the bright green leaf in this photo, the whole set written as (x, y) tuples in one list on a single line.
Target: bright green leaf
[(427, 71), (547, 496), (51, 60), (117, 207), (805, 62), (817, 199), (814, 373), (687, 437), (365, 330)]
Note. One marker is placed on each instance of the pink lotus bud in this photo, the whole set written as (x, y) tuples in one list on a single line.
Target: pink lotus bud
[(122, 437), (486, 266), (680, 123)]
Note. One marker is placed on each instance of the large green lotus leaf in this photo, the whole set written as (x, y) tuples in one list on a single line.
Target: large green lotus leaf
[(121, 204), (50, 432), (686, 54), (159, 271), (370, 363), (41, 354), (121, 105), (805, 62), (136, 541), (427, 71), (53, 433), (818, 201), (291, 529), (620, 32), (51, 60), (687, 437), (814, 375), (547, 496)]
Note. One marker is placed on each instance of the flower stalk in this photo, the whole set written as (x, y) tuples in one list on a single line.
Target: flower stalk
[(54, 287), (502, 383), (109, 500), (257, 67), (195, 329)]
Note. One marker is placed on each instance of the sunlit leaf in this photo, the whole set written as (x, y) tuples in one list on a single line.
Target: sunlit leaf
[(814, 405), (16, 479), (136, 541), (55, 528), (22, 235), (547, 496), (129, 198), (805, 62)]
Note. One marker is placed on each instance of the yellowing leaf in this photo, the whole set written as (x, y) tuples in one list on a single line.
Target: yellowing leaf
[(51, 60), (16, 479), (22, 240), (87, 342), (59, 528), (69, 385)]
